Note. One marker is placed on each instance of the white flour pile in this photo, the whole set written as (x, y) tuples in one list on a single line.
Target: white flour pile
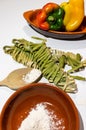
[(41, 119), (33, 75)]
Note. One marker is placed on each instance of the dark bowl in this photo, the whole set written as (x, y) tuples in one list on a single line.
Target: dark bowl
[(30, 17), (18, 106)]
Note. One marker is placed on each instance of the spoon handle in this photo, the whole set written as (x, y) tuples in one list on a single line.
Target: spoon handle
[(12, 85), (4, 83)]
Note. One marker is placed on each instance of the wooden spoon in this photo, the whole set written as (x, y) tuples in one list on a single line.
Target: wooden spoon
[(15, 79)]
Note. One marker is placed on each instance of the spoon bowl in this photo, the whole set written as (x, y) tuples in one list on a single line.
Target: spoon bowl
[(15, 79)]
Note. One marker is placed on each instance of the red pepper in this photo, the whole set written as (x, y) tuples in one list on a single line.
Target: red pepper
[(43, 13), (41, 20), (49, 7)]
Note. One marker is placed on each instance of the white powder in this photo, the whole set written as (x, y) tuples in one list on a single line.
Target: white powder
[(40, 118), (33, 75)]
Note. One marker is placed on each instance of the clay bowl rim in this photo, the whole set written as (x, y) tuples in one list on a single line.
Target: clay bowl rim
[(53, 87)]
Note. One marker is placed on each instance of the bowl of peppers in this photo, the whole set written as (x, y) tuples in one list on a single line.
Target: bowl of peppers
[(59, 21)]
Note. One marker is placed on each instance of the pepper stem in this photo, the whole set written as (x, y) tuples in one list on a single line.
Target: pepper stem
[(51, 18)]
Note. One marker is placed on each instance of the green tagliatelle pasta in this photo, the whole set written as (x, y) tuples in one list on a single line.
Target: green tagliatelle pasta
[(40, 56)]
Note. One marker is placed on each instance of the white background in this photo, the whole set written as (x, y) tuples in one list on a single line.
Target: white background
[(13, 25)]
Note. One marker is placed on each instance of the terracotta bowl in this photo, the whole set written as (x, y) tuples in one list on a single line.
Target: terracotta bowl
[(30, 17), (23, 100)]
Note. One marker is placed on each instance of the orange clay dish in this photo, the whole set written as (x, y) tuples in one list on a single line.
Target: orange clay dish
[(30, 17), (43, 21)]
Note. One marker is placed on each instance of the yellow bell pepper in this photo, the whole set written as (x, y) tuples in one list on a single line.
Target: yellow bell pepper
[(74, 14)]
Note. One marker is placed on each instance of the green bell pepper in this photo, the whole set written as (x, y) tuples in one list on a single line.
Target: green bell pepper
[(55, 19)]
